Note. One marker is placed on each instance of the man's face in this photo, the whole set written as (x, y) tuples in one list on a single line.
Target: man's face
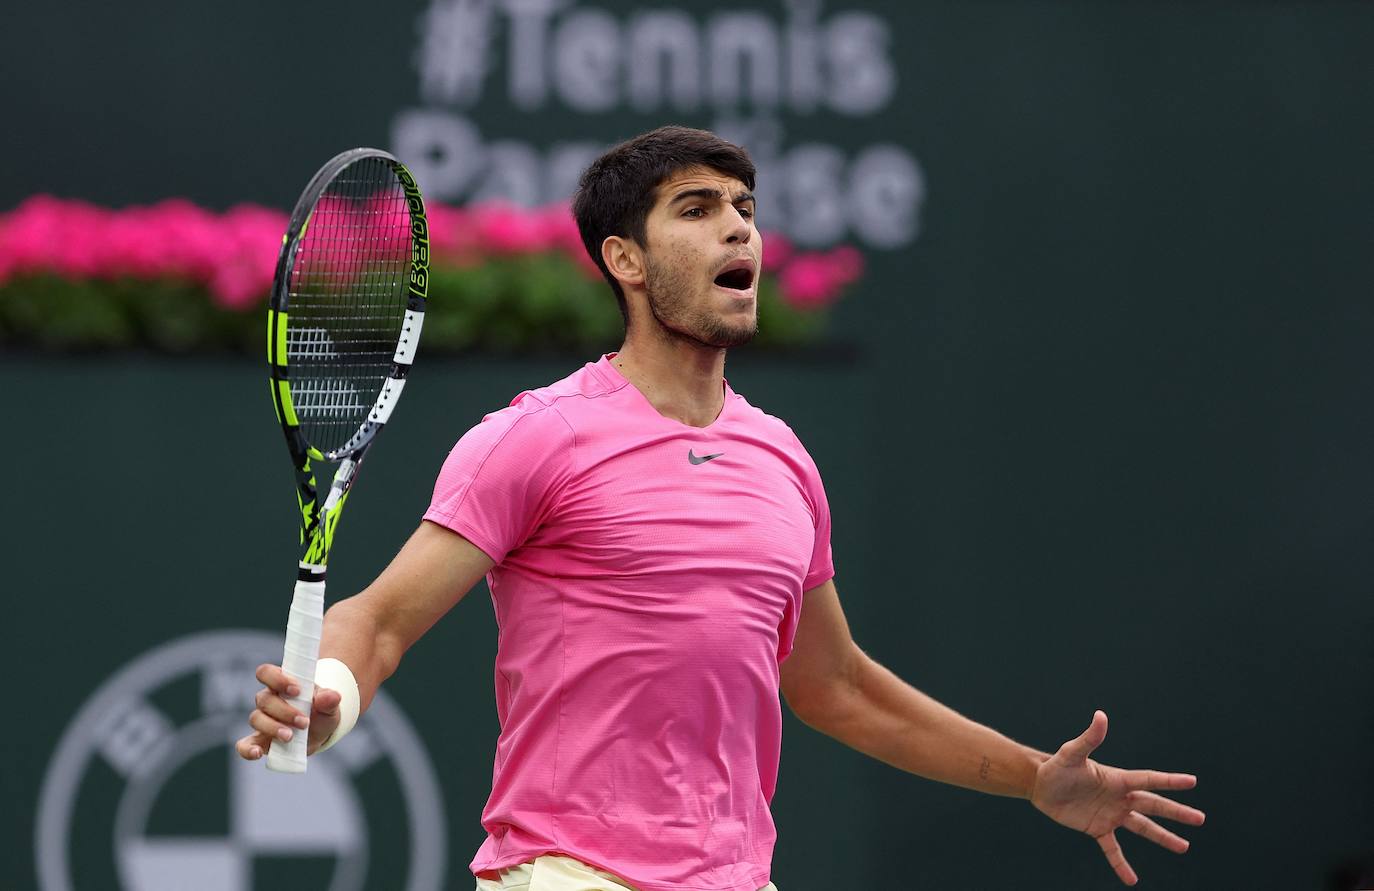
[(702, 258)]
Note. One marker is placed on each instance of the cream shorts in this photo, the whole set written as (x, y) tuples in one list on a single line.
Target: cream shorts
[(554, 872)]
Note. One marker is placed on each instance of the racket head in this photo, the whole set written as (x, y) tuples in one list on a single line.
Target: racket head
[(347, 302)]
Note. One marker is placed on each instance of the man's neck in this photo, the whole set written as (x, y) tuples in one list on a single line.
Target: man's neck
[(681, 379)]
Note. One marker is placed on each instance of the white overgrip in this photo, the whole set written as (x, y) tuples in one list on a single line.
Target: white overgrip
[(303, 627)]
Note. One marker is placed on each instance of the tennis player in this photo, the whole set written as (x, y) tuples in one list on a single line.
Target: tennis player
[(658, 555)]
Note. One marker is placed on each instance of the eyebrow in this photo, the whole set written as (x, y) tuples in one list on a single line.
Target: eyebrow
[(713, 194)]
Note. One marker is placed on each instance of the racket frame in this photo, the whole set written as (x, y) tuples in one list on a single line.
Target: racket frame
[(318, 522)]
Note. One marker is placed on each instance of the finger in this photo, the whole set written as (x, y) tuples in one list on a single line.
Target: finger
[(1117, 860), (1076, 751), (1159, 806), (253, 746), (324, 718), (263, 723), (1149, 829), (326, 701), (1158, 779), (272, 676), (279, 709)]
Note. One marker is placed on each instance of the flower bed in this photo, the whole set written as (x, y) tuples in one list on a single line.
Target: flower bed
[(175, 277)]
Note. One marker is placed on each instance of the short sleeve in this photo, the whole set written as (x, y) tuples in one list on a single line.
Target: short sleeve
[(503, 477), (822, 567)]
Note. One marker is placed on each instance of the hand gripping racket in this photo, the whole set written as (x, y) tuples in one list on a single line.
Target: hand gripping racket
[(347, 305)]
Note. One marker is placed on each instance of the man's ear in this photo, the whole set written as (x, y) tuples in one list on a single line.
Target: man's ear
[(624, 259)]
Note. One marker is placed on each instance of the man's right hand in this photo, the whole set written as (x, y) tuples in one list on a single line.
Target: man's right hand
[(276, 719), (370, 632)]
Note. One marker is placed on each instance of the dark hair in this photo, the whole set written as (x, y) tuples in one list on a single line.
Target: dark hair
[(618, 190)]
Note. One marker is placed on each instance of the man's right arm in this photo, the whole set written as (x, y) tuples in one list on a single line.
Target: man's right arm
[(371, 631)]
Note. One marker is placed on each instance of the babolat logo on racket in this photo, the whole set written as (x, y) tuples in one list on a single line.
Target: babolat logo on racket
[(145, 792), (419, 230), (323, 396)]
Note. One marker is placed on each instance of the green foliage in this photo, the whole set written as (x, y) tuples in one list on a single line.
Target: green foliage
[(58, 314), (780, 324), (536, 302)]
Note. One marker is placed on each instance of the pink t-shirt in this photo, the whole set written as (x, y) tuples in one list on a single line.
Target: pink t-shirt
[(648, 582)]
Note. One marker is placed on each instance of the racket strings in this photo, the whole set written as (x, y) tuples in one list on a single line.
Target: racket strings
[(348, 295)]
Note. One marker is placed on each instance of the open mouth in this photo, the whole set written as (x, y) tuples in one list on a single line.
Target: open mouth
[(738, 276)]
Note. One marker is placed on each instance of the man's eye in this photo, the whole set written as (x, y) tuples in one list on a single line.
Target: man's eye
[(746, 212)]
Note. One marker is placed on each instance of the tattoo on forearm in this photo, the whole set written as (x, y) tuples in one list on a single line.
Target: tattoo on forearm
[(984, 768)]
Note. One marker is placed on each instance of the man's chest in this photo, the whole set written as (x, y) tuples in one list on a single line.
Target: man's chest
[(689, 505)]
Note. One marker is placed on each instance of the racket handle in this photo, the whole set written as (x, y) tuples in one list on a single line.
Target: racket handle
[(303, 628)]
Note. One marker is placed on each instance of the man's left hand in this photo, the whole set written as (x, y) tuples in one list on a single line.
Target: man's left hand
[(1076, 791)]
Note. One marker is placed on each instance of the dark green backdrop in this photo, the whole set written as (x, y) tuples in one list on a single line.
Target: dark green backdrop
[(1104, 438)]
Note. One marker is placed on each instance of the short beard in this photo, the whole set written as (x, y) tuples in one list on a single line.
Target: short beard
[(665, 290)]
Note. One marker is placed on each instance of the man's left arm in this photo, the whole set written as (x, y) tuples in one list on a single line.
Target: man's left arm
[(835, 687)]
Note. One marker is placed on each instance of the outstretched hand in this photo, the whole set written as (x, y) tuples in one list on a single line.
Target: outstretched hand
[(1077, 792)]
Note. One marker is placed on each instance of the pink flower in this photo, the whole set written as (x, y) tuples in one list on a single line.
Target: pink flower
[(561, 233), (504, 229), (847, 263), (167, 240), (815, 280), (234, 254), (388, 221), (777, 251), (238, 287), (81, 251), (250, 239), (466, 235), (450, 230), (35, 234), (806, 282), (559, 228)]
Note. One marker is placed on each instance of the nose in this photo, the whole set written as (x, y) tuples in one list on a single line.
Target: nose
[(738, 230)]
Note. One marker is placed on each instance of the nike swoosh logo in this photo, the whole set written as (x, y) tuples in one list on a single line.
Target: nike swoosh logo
[(703, 459)]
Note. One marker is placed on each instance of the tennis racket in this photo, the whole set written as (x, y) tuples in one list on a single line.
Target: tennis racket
[(348, 302)]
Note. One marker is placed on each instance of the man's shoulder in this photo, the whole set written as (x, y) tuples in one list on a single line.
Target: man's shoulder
[(550, 413), (587, 382), (778, 432), (772, 426)]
